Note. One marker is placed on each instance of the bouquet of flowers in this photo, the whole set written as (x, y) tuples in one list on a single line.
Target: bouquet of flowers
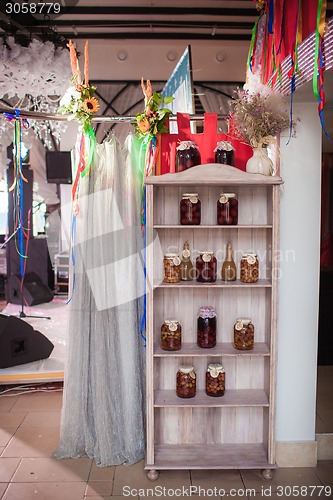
[(258, 117), (79, 101), (153, 119)]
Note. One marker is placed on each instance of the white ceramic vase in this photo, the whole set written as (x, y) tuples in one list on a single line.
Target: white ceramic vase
[(259, 163)]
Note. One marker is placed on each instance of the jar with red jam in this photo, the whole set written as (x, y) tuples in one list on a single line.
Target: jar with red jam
[(224, 153), (186, 382), (243, 334), (171, 268), (249, 268), (190, 210), (171, 335), (206, 329), (206, 266), (215, 380), (227, 209), (187, 155)]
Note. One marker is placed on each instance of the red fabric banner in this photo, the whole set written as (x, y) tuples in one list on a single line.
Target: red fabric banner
[(205, 141)]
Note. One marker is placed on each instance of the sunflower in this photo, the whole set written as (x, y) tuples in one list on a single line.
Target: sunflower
[(91, 105)]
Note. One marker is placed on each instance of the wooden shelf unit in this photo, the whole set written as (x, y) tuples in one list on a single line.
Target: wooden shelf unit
[(236, 430)]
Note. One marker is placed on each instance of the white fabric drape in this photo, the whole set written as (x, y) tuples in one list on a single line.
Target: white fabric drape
[(103, 406)]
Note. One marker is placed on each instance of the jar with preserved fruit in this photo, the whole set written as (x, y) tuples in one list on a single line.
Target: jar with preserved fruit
[(243, 334), (171, 267), (187, 155), (224, 153), (206, 329), (206, 265), (171, 335), (190, 210), (186, 382), (227, 209), (249, 268), (215, 380)]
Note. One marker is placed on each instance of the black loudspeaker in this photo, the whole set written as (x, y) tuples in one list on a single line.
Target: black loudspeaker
[(20, 343), (34, 290)]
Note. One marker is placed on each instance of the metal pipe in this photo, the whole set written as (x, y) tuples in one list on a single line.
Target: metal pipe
[(33, 115)]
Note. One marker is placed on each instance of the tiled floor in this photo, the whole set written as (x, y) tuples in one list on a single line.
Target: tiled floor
[(324, 421), (29, 431)]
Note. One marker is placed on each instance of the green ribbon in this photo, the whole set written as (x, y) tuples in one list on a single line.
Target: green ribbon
[(316, 67)]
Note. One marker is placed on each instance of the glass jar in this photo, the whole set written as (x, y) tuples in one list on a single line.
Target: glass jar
[(243, 334), (206, 329), (224, 153), (186, 382), (190, 210), (227, 209), (215, 380), (171, 335), (249, 268), (187, 155), (171, 268), (206, 265)]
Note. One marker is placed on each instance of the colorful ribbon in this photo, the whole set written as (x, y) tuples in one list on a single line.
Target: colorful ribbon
[(318, 70)]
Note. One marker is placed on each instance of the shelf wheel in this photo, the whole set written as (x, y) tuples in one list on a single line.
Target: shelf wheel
[(267, 474), (153, 475)]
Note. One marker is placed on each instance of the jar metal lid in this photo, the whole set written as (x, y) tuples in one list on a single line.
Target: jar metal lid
[(225, 145), (244, 321), (186, 145), (246, 255), (215, 366), (168, 321), (229, 195), (215, 369), (188, 195), (207, 312), (207, 251), (186, 368), (171, 255)]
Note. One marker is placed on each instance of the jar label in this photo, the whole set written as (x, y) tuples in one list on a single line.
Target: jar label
[(206, 257), (214, 372), (173, 327), (193, 199), (186, 253), (251, 259), (223, 198), (176, 261), (192, 375), (239, 326)]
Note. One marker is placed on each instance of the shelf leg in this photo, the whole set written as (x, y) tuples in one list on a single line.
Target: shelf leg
[(267, 474), (153, 475)]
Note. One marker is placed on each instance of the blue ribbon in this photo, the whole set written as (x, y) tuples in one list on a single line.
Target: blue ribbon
[(16, 115), (271, 17), (143, 319)]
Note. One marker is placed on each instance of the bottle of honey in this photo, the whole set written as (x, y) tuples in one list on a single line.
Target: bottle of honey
[(229, 271)]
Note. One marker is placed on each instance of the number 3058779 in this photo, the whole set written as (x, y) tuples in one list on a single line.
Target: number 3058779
[(33, 8)]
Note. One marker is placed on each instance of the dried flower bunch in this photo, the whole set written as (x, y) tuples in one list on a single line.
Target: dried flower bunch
[(79, 100), (257, 117), (153, 120)]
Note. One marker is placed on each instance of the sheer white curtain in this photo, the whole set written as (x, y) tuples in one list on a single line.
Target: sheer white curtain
[(103, 408)]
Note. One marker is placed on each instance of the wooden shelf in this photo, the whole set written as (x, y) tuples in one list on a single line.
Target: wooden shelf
[(211, 456), (218, 284), (232, 398), (180, 432), (221, 349), (213, 226), (213, 174)]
